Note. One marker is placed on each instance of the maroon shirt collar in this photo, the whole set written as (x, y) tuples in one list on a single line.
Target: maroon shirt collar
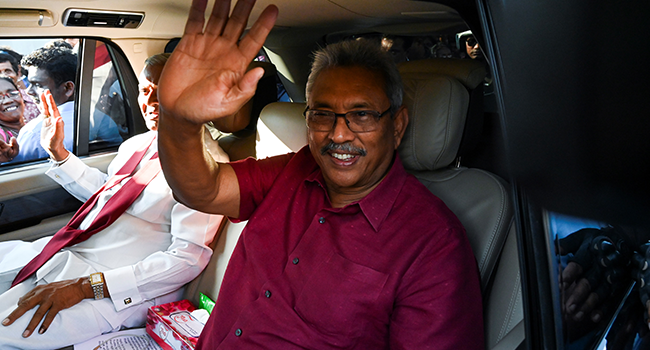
[(377, 204)]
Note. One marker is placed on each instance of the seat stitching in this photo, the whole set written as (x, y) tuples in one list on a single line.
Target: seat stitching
[(513, 299)]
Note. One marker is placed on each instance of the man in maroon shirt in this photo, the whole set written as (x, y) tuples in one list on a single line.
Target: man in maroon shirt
[(343, 249)]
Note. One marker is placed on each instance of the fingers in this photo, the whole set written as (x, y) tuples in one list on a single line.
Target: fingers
[(45, 110), (238, 20), (25, 303), (251, 44), (571, 273), (248, 83), (54, 110), (218, 17), (36, 319), (8, 151), (51, 312), (578, 295), (195, 19), (48, 105), (587, 307)]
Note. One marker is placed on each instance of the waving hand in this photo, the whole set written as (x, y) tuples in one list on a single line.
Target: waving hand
[(206, 76), (206, 79), (52, 134)]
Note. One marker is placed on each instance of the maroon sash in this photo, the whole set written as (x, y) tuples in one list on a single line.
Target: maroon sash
[(70, 234)]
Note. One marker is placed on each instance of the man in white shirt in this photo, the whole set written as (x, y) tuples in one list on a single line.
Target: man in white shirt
[(146, 255)]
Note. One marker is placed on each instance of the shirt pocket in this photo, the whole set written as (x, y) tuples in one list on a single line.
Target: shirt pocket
[(340, 297)]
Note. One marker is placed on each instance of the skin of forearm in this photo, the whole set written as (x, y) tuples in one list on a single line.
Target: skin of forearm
[(60, 153), (189, 169)]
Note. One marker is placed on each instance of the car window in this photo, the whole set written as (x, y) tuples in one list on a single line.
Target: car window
[(108, 125), (102, 113), (600, 305), (96, 116)]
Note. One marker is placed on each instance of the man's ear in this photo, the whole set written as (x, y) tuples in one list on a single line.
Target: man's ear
[(68, 90), (400, 121)]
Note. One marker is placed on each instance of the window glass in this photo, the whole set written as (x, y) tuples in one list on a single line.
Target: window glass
[(459, 44), (602, 290), (108, 125), (82, 77)]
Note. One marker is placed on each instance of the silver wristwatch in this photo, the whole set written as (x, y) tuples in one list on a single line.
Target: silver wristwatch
[(97, 282)]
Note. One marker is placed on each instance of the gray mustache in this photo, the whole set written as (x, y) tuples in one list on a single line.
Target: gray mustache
[(343, 147)]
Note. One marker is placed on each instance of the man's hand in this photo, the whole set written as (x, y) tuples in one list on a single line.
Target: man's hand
[(52, 133), (50, 299), (206, 78), (594, 273), (8, 151)]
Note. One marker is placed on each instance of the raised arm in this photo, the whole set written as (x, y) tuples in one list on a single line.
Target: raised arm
[(206, 79)]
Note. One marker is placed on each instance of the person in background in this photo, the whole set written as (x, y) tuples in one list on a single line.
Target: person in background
[(467, 42), (11, 117), (10, 67), (396, 46), (148, 101), (23, 83)]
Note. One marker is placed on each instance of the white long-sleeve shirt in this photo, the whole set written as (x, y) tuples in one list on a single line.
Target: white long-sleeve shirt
[(154, 248)]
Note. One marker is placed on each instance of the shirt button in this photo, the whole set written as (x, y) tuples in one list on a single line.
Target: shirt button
[(295, 261), (238, 332), (267, 293), (321, 220)]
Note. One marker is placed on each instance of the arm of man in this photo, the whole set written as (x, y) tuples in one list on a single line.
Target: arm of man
[(206, 79), (166, 271), (77, 178), (158, 274)]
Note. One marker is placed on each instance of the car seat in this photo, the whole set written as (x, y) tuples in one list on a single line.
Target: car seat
[(438, 94)]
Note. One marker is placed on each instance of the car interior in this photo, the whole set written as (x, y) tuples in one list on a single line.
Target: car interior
[(513, 151)]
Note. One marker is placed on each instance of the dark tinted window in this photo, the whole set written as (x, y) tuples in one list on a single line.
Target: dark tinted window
[(600, 305)]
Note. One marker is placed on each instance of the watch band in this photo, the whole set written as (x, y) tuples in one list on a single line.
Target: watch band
[(97, 283)]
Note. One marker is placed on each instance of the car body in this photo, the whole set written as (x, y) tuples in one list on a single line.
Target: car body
[(564, 122)]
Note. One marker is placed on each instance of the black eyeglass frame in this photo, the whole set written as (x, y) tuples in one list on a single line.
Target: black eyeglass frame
[(376, 114)]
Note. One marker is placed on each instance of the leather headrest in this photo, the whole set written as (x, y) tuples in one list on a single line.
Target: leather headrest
[(436, 95), (469, 72), (281, 129)]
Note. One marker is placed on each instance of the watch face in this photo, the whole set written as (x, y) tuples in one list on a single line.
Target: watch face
[(95, 278)]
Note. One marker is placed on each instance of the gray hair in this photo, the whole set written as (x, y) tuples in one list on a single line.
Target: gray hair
[(363, 53), (158, 59)]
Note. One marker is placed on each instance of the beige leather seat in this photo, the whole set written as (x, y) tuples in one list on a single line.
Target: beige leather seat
[(437, 93)]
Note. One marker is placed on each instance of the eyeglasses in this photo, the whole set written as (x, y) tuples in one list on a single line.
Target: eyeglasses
[(471, 41), (357, 121), (13, 94)]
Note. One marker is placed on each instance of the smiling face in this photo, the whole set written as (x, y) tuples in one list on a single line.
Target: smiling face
[(11, 108), (148, 96), (353, 163)]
